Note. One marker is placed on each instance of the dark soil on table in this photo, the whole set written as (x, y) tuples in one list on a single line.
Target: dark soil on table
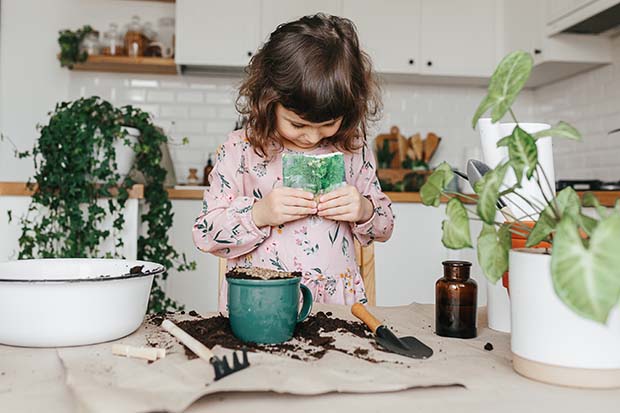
[(311, 332)]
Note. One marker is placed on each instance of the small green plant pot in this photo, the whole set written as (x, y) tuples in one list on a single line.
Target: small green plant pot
[(266, 311)]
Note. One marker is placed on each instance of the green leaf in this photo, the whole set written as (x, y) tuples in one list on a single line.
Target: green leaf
[(493, 247), (435, 184), (523, 153), (560, 130), (487, 189), (456, 233), (485, 105), (588, 224), (586, 279), (568, 204), (506, 83), (504, 141), (590, 200)]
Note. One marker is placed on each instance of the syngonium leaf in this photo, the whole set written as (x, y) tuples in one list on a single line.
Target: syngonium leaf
[(435, 184), (506, 83), (522, 152), (567, 202), (456, 233), (586, 278), (493, 247), (560, 130), (487, 189), (590, 200)]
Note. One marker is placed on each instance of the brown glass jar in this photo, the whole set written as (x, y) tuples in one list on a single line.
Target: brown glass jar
[(456, 301)]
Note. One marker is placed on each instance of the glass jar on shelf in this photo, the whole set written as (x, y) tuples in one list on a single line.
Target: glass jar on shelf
[(165, 35), (134, 38), (90, 44), (112, 43)]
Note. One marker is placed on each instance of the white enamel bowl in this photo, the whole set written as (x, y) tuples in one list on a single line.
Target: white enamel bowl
[(72, 302)]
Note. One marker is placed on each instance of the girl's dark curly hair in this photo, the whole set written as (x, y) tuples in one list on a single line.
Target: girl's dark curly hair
[(314, 67)]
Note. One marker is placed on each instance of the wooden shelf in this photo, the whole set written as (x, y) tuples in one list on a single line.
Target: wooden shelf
[(126, 64), (22, 189)]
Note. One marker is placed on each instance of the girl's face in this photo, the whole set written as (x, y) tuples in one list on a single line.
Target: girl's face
[(301, 135)]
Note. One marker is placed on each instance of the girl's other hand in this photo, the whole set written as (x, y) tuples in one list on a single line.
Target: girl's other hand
[(345, 204), (283, 205)]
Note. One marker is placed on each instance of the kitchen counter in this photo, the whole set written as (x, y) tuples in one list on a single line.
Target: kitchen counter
[(606, 198), (89, 378)]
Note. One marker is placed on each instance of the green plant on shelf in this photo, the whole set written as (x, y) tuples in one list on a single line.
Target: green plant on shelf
[(79, 187), (69, 42), (585, 263)]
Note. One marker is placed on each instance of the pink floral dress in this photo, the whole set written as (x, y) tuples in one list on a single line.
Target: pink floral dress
[(322, 249)]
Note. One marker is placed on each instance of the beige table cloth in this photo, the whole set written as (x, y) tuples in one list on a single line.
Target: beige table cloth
[(461, 373)]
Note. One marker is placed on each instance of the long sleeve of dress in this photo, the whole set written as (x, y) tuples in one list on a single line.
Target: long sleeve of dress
[(225, 226), (380, 225)]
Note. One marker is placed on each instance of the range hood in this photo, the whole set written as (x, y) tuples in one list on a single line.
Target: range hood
[(599, 23)]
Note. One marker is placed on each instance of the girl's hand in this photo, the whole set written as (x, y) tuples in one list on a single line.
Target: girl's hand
[(345, 204), (283, 205)]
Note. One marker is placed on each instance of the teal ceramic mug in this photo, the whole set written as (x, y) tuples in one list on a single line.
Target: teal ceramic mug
[(266, 311)]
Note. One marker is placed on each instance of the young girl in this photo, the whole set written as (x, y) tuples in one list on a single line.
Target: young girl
[(310, 89)]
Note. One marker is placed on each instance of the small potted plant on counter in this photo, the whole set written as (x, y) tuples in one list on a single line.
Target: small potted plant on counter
[(564, 298)]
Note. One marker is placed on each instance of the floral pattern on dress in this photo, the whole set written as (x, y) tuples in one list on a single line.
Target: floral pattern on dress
[(320, 248)]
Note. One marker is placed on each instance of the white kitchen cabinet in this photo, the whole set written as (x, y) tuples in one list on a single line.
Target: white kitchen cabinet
[(409, 263), (563, 14), (389, 32), (555, 57), (196, 290), (458, 38), (18, 207), (276, 12), (214, 33)]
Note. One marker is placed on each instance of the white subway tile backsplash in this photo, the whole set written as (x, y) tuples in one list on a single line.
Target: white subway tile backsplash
[(175, 112), (144, 83), (189, 126), (202, 112), (189, 97), (227, 112), (132, 95), (224, 127), (160, 96), (219, 98)]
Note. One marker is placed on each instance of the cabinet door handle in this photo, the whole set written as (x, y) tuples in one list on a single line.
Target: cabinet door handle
[(429, 63), (411, 61), (537, 51)]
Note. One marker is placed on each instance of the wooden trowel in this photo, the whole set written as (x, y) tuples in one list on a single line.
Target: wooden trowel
[(405, 346)]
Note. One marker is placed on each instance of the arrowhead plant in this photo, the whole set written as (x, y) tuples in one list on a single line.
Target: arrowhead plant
[(585, 262)]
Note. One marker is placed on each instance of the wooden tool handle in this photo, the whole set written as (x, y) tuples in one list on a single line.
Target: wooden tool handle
[(190, 342), (359, 311)]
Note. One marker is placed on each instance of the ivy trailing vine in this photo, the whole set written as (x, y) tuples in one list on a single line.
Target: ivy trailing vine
[(79, 187)]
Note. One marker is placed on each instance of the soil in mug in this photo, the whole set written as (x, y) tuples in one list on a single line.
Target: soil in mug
[(257, 273)]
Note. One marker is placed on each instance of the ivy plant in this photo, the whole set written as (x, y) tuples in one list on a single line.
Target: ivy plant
[(78, 187), (69, 42), (585, 263)]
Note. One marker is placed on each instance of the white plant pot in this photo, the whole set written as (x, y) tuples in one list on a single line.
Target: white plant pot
[(551, 343), (125, 155)]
